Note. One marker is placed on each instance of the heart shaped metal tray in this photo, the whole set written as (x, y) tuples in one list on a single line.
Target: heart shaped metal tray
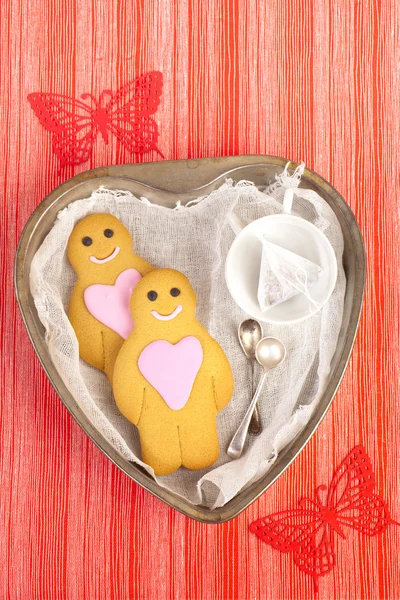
[(165, 183)]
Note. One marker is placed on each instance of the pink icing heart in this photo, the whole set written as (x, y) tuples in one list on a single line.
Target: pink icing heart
[(109, 304), (171, 369)]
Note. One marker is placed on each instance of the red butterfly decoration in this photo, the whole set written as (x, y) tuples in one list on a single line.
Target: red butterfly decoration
[(126, 114), (307, 531)]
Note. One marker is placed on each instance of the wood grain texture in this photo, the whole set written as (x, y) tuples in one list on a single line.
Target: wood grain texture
[(317, 81)]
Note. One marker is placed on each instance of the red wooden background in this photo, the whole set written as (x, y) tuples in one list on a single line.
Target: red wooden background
[(317, 81)]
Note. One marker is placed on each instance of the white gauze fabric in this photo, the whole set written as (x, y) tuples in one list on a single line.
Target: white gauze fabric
[(195, 240)]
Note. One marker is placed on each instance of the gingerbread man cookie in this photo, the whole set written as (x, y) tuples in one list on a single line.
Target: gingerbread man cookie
[(171, 378), (100, 251)]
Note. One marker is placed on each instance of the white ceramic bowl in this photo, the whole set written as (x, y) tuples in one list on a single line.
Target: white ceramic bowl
[(243, 262)]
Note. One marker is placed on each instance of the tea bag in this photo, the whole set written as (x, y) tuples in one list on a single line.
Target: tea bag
[(284, 274)]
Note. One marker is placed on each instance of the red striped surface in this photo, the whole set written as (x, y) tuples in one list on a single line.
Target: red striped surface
[(314, 81)]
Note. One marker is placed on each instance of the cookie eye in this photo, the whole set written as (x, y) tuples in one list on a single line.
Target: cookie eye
[(175, 292), (152, 295), (87, 241), (108, 233)]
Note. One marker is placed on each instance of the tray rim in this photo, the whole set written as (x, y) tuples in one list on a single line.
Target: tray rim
[(223, 167)]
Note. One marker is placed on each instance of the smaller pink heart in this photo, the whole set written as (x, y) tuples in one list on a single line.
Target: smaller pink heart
[(172, 368), (109, 304)]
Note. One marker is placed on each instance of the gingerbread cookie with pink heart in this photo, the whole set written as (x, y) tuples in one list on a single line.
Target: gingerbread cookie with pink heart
[(171, 378), (100, 251)]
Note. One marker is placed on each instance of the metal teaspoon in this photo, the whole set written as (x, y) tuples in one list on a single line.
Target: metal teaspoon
[(270, 352), (250, 334)]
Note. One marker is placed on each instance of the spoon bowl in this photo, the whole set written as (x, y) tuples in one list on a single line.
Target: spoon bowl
[(249, 335), (270, 352)]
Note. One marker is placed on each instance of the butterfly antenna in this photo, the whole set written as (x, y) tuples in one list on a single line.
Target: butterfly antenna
[(318, 491), (90, 97)]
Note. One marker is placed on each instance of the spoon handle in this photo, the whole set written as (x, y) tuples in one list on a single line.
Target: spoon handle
[(236, 446), (255, 423)]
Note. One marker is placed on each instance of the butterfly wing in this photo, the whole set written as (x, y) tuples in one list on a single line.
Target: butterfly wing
[(316, 556), (71, 123), (288, 530), (302, 532), (140, 96), (353, 478), (368, 514), (351, 495), (129, 113), (138, 136)]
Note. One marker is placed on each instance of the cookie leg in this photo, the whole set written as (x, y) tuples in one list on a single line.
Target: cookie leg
[(161, 448), (199, 443)]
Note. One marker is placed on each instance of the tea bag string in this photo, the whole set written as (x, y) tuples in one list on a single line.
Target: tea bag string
[(305, 291)]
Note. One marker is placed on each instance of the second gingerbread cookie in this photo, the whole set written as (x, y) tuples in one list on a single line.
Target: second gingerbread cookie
[(171, 377), (100, 251)]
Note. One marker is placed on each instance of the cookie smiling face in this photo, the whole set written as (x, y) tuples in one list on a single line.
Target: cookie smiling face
[(97, 240), (163, 296)]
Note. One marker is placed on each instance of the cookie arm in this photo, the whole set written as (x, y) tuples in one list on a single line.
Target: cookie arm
[(128, 387), (222, 377), (98, 345), (87, 331), (112, 343), (143, 266)]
